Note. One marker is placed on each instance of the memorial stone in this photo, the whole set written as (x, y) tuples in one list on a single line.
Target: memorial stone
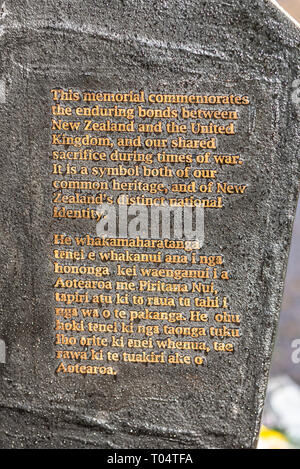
[(149, 180)]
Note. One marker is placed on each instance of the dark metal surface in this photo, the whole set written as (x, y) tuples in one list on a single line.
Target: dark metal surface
[(188, 46)]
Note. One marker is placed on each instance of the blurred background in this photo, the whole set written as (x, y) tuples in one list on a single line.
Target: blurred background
[(292, 7), (281, 418)]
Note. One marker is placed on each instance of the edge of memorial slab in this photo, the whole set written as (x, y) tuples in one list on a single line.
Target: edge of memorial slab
[(286, 13), (291, 19)]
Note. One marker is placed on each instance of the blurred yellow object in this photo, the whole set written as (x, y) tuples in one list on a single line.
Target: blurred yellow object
[(271, 439)]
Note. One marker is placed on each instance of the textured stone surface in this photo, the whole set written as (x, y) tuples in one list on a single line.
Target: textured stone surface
[(217, 46)]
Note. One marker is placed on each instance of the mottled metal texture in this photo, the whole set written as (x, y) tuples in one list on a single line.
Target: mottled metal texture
[(194, 46)]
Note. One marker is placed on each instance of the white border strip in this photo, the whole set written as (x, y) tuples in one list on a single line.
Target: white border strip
[(285, 12)]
